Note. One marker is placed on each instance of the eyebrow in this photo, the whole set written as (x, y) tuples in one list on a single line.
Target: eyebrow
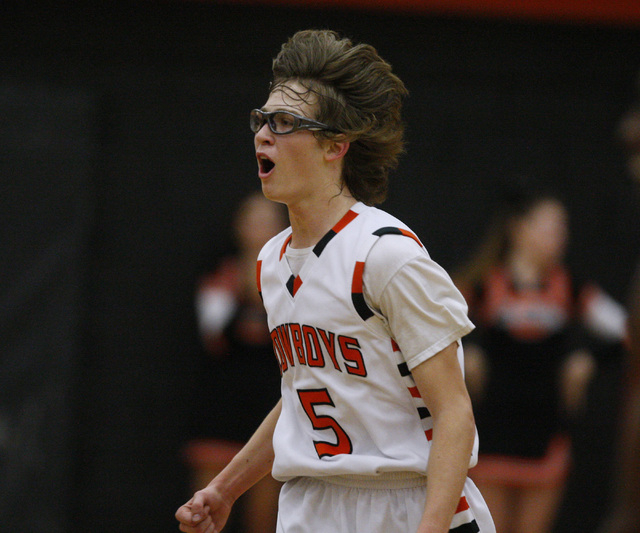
[(267, 109)]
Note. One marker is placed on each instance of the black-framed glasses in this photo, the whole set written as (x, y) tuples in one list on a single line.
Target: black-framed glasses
[(284, 122)]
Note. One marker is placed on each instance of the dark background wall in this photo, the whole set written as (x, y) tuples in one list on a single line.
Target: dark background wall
[(124, 147)]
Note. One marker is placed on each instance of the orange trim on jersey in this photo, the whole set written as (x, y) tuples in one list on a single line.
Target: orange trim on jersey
[(258, 276), (392, 230), (297, 282), (322, 243), (463, 505), (348, 217), (411, 235), (356, 284), (357, 297), (284, 246)]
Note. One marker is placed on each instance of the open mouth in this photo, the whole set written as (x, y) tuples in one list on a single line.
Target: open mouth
[(266, 165)]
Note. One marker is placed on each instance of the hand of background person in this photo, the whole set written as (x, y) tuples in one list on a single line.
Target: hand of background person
[(576, 375)]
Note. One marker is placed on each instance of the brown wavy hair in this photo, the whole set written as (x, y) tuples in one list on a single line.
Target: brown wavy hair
[(358, 95)]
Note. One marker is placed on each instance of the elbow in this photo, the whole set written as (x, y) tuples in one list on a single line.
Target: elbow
[(468, 424), (462, 412), (459, 423)]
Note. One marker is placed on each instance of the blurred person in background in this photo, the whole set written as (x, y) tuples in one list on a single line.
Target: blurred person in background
[(528, 365), (233, 327), (624, 516)]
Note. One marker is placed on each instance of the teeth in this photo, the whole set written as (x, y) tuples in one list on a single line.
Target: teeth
[(266, 164)]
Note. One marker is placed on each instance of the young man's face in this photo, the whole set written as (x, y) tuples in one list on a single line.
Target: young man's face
[(291, 166)]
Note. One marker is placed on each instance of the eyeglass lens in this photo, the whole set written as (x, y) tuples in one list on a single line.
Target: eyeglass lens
[(279, 122)]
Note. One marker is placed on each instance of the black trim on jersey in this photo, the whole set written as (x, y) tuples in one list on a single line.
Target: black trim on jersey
[(423, 412), (319, 247), (290, 282), (470, 527), (388, 230), (361, 305), (404, 370)]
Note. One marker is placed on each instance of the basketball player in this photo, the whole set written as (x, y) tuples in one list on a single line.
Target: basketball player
[(374, 431)]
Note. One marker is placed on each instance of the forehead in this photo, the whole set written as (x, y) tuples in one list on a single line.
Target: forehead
[(292, 96)]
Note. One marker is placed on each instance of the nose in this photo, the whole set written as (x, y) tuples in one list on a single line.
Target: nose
[(263, 135)]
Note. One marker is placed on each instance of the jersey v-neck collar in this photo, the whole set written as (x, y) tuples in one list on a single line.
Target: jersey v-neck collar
[(294, 282)]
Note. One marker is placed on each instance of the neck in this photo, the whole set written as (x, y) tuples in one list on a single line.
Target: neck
[(311, 221)]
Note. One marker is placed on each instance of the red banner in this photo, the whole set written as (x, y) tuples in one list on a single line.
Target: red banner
[(623, 12)]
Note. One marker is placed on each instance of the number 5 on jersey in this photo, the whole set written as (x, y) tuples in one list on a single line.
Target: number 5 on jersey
[(310, 398)]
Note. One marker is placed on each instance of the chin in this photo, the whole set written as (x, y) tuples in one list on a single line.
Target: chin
[(270, 193)]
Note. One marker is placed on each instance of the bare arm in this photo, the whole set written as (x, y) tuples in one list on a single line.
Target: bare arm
[(441, 384), (208, 510)]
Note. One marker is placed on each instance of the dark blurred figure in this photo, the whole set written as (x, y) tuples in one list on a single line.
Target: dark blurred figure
[(624, 516), (233, 327), (528, 364)]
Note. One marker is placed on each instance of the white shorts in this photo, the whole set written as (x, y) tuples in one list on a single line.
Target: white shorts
[(315, 505)]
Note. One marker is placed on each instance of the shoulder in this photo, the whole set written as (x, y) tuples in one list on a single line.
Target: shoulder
[(392, 245), (379, 217), (391, 242), (392, 251)]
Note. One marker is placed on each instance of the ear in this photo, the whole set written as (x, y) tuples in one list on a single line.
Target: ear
[(336, 150)]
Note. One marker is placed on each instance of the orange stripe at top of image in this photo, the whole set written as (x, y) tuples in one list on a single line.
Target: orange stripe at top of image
[(620, 12)]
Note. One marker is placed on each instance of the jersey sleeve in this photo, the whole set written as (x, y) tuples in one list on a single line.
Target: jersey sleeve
[(423, 309)]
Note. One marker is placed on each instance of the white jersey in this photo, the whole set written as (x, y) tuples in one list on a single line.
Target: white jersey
[(349, 402)]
